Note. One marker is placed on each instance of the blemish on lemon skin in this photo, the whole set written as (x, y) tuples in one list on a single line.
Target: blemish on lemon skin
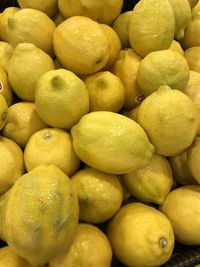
[(101, 83), (163, 242), (47, 135)]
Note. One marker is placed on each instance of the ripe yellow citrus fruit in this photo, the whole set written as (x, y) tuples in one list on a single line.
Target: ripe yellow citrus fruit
[(3, 111), (151, 26), (169, 118), (100, 195), (111, 142), (66, 93), (51, 146), (106, 91), (81, 45), (6, 51), (181, 206), (89, 248), (140, 235)]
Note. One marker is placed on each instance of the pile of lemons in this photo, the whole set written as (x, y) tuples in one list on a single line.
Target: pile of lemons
[(99, 132)]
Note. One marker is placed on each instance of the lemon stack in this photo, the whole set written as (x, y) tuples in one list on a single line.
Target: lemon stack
[(99, 123)]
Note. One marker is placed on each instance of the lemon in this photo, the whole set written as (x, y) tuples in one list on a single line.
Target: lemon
[(114, 43), (29, 25), (3, 111), (66, 93), (151, 183), (164, 67), (100, 195), (182, 13), (6, 51), (151, 26), (12, 163), (48, 7), (22, 122), (169, 118), (192, 31), (194, 78), (193, 159), (121, 27), (81, 45), (194, 93), (110, 10), (126, 67), (176, 47), (51, 146), (5, 88), (106, 91), (111, 142), (180, 170), (90, 248), (104, 11), (9, 259), (192, 56), (7, 12), (26, 66), (181, 206), (141, 236), (39, 215)]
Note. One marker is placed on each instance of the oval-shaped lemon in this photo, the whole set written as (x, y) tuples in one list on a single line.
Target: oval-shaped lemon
[(111, 142)]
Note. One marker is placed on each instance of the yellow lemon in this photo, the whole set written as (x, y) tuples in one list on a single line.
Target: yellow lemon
[(48, 7), (89, 248), (114, 43), (151, 183), (182, 13), (6, 51), (7, 12), (192, 56), (9, 259), (5, 88), (181, 206), (110, 10), (180, 170), (176, 47), (29, 25), (104, 11), (152, 26), (169, 118), (22, 122), (66, 93), (106, 91), (193, 159), (194, 93), (23, 71), (81, 45), (51, 146), (12, 163), (3, 111), (158, 69), (126, 193), (111, 142), (141, 236), (126, 67), (39, 215), (192, 31), (121, 27), (100, 195)]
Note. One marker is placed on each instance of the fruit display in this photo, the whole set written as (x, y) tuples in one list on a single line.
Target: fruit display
[(99, 133)]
